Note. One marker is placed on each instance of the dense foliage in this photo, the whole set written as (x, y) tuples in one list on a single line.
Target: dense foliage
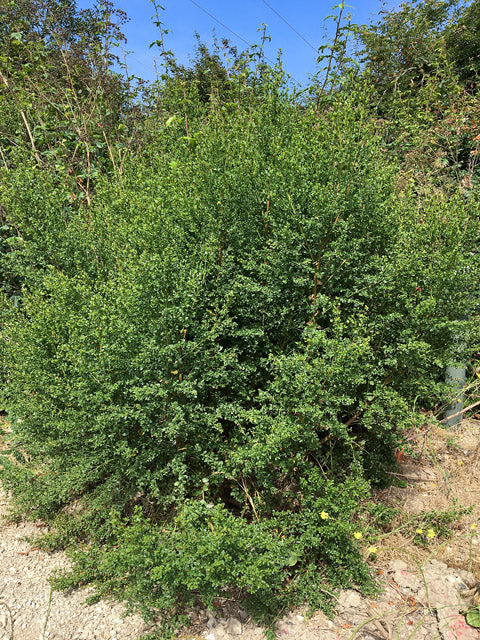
[(219, 320), (422, 62)]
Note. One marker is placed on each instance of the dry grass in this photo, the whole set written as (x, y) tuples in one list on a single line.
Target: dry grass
[(441, 473)]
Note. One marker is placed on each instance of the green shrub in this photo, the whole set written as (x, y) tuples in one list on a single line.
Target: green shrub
[(230, 338)]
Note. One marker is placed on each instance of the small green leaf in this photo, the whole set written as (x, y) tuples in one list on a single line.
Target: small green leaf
[(292, 560), (473, 617)]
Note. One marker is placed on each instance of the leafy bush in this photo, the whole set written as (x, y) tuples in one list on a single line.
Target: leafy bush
[(216, 359)]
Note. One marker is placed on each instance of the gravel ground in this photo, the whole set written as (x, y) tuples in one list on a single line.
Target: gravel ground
[(27, 604)]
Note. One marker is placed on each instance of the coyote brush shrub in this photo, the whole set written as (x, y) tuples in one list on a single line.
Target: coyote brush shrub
[(225, 345)]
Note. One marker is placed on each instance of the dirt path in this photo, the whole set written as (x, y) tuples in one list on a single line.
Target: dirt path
[(424, 589)]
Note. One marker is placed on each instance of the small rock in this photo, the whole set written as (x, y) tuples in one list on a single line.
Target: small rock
[(243, 616), (351, 607), (349, 599), (234, 627), (210, 636), (467, 577), (402, 576), (398, 565), (437, 565), (211, 622)]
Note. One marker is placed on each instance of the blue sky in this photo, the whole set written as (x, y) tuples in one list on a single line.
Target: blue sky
[(244, 17)]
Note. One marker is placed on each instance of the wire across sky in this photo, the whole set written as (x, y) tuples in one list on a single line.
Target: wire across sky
[(297, 29)]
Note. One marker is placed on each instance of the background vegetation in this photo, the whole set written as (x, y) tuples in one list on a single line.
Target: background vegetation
[(224, 301)]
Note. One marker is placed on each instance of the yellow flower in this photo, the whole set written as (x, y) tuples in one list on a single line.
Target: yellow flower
[(324, 515), (372, 550), (430, 533), (358, 535), (420, 531), (473, 526)]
